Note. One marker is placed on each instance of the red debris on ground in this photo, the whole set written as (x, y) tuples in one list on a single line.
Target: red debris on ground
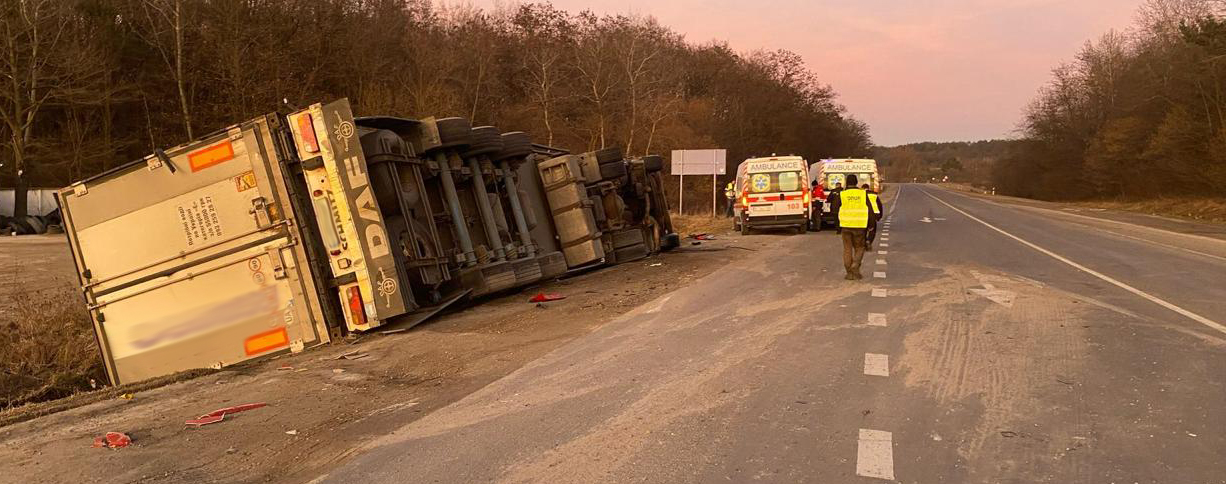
[(542, 297), (220, 414), (112, 440)]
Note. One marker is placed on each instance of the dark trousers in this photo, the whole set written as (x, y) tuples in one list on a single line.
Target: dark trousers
[(872, 230), (853, 249)]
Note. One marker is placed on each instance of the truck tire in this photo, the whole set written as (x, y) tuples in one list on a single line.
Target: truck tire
[(653, 163), (453, 132), (515, 144), (484, 140), (613, 171), (609, 155)]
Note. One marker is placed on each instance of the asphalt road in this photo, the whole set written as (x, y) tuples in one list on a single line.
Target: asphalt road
[(995, 343)]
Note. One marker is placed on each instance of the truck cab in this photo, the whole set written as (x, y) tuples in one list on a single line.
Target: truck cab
[(772, 192)]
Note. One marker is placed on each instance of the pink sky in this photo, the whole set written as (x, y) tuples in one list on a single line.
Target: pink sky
[(914, 70)]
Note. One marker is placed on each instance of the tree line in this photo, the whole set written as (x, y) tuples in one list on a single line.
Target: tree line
[(957, 161), (90, 84), (1136, 112)]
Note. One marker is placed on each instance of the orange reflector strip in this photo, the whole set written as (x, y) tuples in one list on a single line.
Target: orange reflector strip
[(262, 342), (210, 156), (306, 130)]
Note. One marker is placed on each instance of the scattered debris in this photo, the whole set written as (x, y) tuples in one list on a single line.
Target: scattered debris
[(1008, 433), (220, 414), (695, 243), (338, 370), (657, 264), (231, 450), (112, 440), (1190, 434), (353, 355), (742, 248), (284, 368), (291, 432), (541, 297), (394, 331), (127, 396), (703, 236)]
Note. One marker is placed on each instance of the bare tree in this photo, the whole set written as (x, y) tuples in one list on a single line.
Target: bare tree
[(163, 27), (42, 65)]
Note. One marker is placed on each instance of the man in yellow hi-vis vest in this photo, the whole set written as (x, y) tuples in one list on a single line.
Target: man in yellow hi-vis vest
[(854, 210)]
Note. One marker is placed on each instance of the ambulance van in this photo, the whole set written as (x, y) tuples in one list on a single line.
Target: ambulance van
[(772, 192)]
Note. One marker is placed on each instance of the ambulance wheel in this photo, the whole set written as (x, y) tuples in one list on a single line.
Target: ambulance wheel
[(745, 229), (802, 228)]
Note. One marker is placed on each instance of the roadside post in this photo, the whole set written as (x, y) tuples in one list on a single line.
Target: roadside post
[(699, 162)]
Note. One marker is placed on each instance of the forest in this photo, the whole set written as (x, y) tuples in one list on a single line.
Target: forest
[(1136, 112), (92, 84), (956, 161)]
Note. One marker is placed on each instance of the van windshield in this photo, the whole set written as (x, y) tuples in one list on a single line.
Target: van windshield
[(783, 181)]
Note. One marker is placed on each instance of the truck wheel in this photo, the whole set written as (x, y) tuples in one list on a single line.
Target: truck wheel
[(484, 140), (515, 144), (615, 171), (453, 132), (653, 163), (608, 155)]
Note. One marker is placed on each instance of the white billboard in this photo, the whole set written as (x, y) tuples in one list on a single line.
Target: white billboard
[(700, 162)]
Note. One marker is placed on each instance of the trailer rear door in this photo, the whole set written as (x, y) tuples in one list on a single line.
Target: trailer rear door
[(190, 259)]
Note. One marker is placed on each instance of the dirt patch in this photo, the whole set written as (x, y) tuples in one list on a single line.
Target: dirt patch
[(321, 408), (700, 224), (1003, 352)]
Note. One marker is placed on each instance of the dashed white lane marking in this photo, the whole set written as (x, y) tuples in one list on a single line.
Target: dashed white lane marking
[(885, 245), (879, 275), (883, 239), (880, 262), (879, 292), (875, 454), (883, 252), (1154, 299), (876, 364), (876, 319)]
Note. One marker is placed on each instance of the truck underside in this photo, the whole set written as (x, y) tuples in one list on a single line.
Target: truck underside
[(289, 231)]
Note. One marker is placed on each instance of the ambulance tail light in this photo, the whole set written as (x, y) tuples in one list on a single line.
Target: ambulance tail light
[(306, 130), (744, 200), (808, 198), (356, 313)]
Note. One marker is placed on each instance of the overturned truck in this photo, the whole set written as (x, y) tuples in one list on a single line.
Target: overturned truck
[(290, 231)]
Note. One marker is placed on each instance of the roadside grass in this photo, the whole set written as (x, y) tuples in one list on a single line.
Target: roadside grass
[(47, 346), (686, 224), (1199, 209)]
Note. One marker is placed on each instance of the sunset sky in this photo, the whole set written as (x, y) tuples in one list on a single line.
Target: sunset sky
[(915, 70)]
